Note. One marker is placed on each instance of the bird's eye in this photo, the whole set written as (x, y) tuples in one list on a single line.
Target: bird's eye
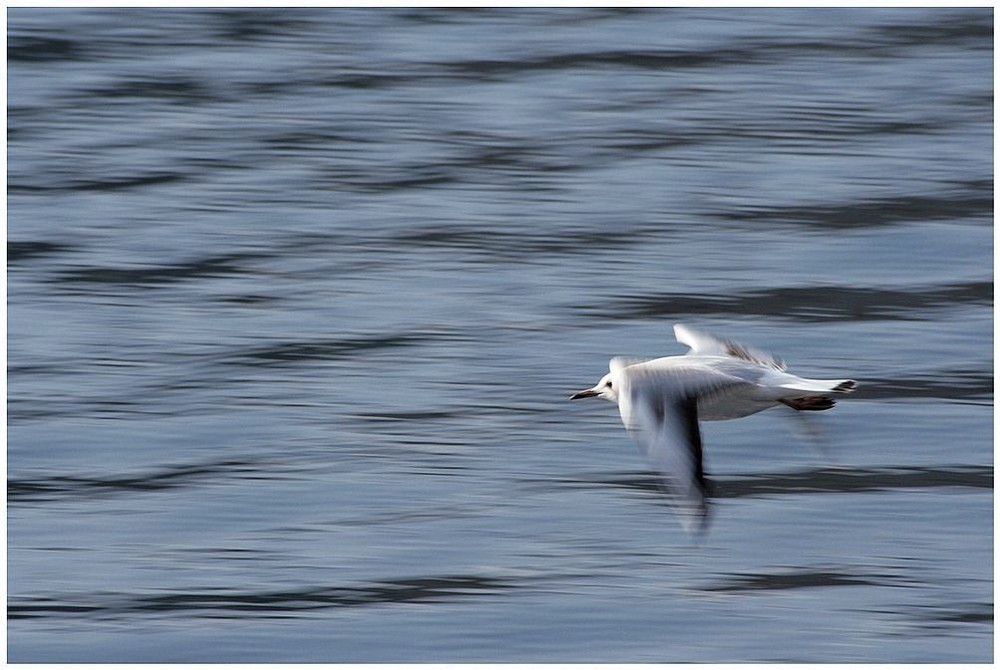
[(607, 384)]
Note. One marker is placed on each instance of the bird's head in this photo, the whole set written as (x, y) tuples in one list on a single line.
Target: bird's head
[(604, 389)]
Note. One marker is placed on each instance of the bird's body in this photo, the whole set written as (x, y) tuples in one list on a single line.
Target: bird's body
[(662, 400)]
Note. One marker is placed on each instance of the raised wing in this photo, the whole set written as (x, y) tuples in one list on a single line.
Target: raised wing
[(704, 344), (660, 410)]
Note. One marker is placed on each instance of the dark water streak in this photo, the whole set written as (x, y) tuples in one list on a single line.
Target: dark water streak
[(821, 480), (223, 604)]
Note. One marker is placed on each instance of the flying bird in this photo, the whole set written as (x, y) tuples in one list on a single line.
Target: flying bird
[(662, 400)]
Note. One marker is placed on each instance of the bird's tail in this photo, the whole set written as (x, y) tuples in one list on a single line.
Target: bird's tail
[(814, 394)]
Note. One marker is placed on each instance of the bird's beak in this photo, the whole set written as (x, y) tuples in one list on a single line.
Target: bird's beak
[(589, 393)]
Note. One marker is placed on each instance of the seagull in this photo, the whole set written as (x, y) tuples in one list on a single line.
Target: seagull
[(662, 400)]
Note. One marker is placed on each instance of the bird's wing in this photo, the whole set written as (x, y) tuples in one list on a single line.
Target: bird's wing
[(704, 344), (659, 408), (619, 363)]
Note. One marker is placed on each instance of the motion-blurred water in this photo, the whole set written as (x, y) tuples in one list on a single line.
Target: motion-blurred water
[(297, 298)]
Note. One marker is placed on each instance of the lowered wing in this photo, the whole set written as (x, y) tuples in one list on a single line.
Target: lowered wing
[(659, 407)]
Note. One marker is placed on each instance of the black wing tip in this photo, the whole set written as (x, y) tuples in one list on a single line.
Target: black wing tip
[(741, 351), (695, 519)]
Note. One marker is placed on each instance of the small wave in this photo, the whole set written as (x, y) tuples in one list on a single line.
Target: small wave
[(59, 488), (155, 275), (291, 352), (172, 89), (942, 617), (821, 480), (503, 244), (800, 579), (976, 203), (962, 28), (106, 184), (651, 59), (236, 604), (805, 303), (36, 49), (28, 249), (948, 384), (837, 480)]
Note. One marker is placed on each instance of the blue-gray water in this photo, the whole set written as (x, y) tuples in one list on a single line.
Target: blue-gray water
[(297, 298)]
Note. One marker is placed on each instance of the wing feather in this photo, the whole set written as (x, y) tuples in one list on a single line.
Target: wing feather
[(659, 408), (704, 344)]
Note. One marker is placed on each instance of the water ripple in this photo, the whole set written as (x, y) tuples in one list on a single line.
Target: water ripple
[(150, 276), (28, 249), (941, 618), (49, 489), (977, 203), (946, 384), (222, 603), (820, 480), (36, 49), (299, 351), (801, 579), (98, 185), (803, 303), (634, 59)]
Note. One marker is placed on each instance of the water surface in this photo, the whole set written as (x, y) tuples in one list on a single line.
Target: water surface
[(297, 297)]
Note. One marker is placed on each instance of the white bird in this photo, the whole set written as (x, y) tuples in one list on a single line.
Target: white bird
[(661, 401)]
